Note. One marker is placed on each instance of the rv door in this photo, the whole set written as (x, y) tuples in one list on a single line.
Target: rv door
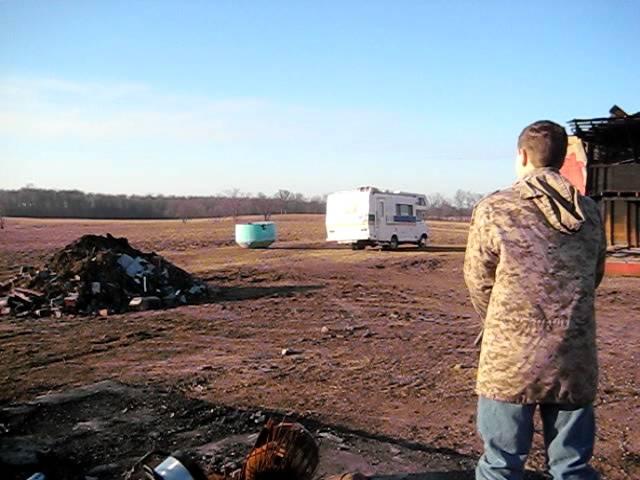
[(380, 213)]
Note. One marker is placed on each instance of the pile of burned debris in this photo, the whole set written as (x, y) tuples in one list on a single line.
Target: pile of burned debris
[(99, 275)]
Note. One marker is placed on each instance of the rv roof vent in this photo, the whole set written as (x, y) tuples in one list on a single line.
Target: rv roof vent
[(368, 188)]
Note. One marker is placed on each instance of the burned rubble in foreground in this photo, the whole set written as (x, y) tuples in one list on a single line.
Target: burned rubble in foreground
[(99, 275), (108, 430)]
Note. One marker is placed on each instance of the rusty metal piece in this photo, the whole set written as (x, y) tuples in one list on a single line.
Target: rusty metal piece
[(619, 267), (286, 451)]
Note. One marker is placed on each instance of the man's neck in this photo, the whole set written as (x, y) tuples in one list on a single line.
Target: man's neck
[(537, 170)]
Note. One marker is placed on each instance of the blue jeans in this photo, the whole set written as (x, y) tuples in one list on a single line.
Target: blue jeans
[(507, 432)]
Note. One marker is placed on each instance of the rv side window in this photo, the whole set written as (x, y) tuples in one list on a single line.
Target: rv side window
[(421, 202), (404, 210)]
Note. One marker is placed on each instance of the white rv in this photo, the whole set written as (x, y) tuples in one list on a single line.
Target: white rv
[(368, 216)]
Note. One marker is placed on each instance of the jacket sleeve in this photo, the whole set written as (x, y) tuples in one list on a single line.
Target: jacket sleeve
[(481, 260)]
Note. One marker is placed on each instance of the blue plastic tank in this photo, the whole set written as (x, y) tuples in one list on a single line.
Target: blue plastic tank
[(255, 234)]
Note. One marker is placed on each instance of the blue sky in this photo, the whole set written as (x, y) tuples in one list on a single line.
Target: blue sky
[(201, 97)]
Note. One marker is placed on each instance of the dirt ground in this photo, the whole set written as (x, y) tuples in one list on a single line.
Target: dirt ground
[(395, 361)]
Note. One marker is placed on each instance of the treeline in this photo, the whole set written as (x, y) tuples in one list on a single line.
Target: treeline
[(458, 207), (35, 202)]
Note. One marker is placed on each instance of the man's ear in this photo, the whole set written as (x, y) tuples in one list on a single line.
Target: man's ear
[(523, 158)]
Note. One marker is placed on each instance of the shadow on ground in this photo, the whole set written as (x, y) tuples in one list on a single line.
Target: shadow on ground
[(309, 246), (459, 475), (252, 293), (431, 249), (401, 249)]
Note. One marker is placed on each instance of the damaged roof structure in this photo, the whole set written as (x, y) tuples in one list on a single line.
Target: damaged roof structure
[(612, 150)]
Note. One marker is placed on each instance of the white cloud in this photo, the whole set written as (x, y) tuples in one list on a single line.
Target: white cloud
[(46, 86), (50, 108), (42, 109)]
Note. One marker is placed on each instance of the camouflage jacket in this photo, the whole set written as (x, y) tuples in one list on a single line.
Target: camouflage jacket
[(535, 256)]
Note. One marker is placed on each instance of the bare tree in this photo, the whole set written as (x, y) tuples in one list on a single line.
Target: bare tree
[(264, 206), (436, 200), (182, 210), (234, 200), (465, 200), (283, 196)]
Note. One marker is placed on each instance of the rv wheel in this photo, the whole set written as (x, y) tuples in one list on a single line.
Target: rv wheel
[(393, 244), (422, 243)]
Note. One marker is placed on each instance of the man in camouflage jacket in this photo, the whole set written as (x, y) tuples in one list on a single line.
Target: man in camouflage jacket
[(534, 258)]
